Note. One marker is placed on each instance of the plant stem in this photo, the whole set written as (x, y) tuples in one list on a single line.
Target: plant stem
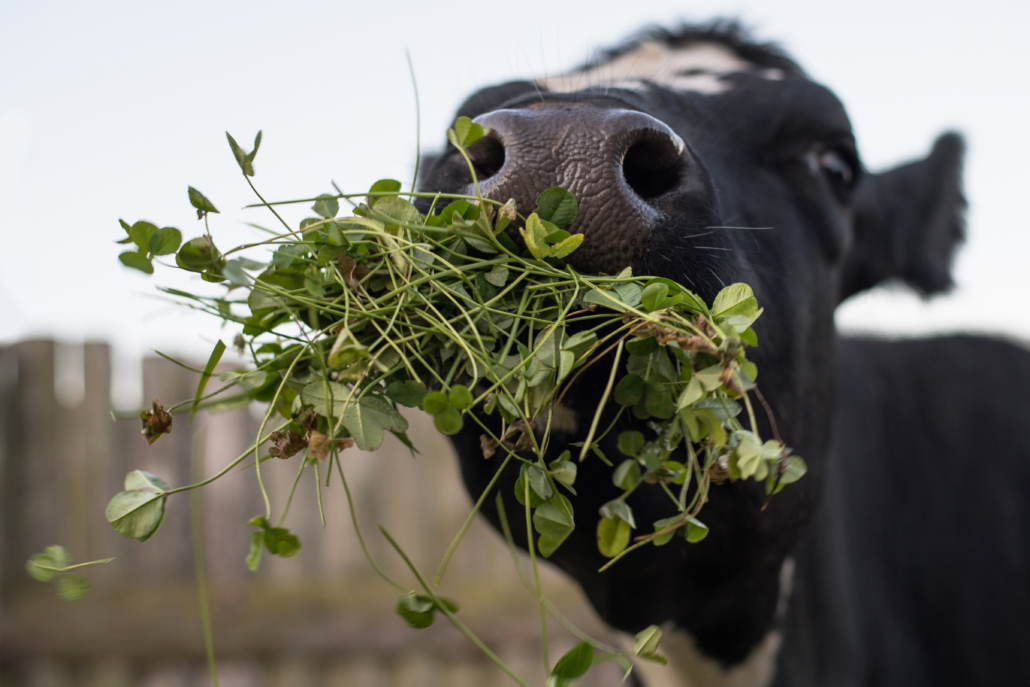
[(536, 579), (289, 499), (468, 520), (450, 616), (197, 522), (604, 400)]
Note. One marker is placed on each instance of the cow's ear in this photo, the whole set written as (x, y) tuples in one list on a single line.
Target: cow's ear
[(908, 223)]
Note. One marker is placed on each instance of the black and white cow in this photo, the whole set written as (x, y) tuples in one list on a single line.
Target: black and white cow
[(903, 557)]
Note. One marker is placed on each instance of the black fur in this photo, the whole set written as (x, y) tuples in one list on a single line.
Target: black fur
[(910, 531)]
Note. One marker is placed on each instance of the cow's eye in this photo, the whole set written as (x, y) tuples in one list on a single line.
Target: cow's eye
[(837, 168)]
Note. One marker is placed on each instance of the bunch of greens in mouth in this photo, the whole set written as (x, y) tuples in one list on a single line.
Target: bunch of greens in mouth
[(346, 318)]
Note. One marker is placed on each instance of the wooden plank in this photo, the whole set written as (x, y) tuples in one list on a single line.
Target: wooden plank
[(33, 471), (107, 671), (229, 502), (9, 568), (154, 618)]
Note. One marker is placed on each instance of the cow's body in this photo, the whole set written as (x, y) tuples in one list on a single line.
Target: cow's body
[(915, 569), (901, 558)]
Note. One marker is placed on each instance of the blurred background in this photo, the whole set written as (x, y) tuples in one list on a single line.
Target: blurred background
[(110, 109)]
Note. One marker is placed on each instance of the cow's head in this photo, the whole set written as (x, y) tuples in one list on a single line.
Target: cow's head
[(703, 157)]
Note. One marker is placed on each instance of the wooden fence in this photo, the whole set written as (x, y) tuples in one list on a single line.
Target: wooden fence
[(319, 619)]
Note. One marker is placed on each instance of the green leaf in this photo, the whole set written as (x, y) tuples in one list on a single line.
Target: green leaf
[(629, 390), (535, 500), (793, 470), (417, 610), (506, 214), (747, 454), (497, 276), (557, 206), (715, 429), (692, 393), (538, 482), (631, 443), (368, 418), (259, 521), (554, 521), (165, 242), (629, 293), (646, 644), (383, 186), (612, 536), (55, 557), (398, 209), (200, 202), (141, 232), (257, 540), (200, 255), (566, 246), (209, 369), (696, 530), (346, 350), (408, 393), (578, 344), (709, 377), (137, 261), (136, 513), (654, 296), (563, 470), (38, 567), (326, 205), (449, 421), (244, 160), (605, 299), (435, 402), (535, 237), (575, 663), (735, 299), (466, 132), (659, 525), (72, 587), (642, 346), (314, 394), (617, 508), (281, 542), (627, 475), (658, 401), (460, 397)]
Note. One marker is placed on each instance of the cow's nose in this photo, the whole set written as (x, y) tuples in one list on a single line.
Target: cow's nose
[(617, 163)]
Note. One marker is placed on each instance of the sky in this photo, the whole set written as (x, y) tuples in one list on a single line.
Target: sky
[(111, 109)]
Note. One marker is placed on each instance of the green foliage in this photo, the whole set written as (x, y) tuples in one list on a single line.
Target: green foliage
[(572, 666), (138, 511), (54, 564), (199, 201), (347, 318), (243, 159), (278, 541)]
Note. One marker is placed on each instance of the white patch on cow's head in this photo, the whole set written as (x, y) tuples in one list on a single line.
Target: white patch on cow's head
[(563, 419), (698, 67), (689, 667)]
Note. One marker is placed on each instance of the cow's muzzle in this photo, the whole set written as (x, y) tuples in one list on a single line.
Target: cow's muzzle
[(617, 163)]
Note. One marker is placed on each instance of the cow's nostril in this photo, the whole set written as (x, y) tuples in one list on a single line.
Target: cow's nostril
[(652, 166), (487, 157)]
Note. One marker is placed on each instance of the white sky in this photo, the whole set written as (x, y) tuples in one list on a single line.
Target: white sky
[(110, 109)]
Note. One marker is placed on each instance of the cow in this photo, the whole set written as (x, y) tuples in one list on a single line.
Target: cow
[(903, 556)]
